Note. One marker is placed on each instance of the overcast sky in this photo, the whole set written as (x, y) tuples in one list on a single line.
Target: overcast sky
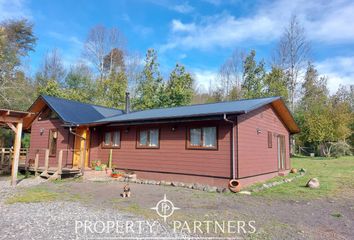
[(199, 34)]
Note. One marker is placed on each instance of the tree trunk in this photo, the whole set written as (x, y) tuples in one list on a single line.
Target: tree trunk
[(292, 145)]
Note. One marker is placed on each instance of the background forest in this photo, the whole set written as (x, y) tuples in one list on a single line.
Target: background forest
[(107, 70)]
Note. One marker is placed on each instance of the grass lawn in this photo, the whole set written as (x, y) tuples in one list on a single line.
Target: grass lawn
[(31, 195), (44, 193), (336, 175)]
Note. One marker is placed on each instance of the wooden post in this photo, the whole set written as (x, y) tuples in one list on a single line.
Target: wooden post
[(17, 147), (46, 160), (2, 157), (82, 158), (36, 162), (46, 164), (60, 163), (10, 159)]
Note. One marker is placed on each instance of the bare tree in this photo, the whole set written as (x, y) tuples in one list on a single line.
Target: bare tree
[(99, 45), (133, 68), (292, 55), (52, 69), (230, 75)]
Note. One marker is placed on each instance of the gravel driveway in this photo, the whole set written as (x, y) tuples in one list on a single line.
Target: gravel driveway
[(71, 220), (66, 220)]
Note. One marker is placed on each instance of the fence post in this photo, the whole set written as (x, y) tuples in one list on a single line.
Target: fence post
[(60, 163), (46, 160), (10, 159), (2, 156), (36, 162)]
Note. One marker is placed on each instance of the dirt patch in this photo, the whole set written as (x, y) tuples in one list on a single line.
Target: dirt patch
[(274, 219)]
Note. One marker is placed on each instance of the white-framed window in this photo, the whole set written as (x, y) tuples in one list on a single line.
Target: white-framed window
[(148, 138), (111, 139), (202, 138)]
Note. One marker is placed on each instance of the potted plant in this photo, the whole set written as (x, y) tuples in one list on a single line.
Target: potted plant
[(116, 174), (98, 166), (109, 171), (93, 165), (103, 167)]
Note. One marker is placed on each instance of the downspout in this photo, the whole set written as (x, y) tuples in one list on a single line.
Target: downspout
[(233, 145), (84, 152)]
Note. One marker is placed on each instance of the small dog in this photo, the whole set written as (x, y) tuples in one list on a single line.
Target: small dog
[(126, 191)]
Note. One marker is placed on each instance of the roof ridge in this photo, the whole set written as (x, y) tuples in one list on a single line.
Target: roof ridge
[(200, 104), (70, 100)]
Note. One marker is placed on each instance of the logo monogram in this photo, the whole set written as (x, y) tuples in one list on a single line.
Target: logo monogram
[(165, 208)]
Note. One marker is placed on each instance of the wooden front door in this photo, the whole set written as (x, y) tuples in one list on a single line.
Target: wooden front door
[(281, 152), (84, 134)]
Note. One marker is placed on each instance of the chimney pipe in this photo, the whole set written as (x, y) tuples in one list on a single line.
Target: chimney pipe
[(127, 102)]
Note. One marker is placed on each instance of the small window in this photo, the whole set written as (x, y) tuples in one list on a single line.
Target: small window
[(270, 140), (53, 139), (202, 138), (48, 114), (148, 138), (111, 139)]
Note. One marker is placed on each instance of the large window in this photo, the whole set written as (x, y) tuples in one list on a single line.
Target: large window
[(53, 139), (202, 138), (148, 138), (111, 139)]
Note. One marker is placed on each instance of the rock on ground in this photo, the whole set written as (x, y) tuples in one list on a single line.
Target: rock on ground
[(245, 192), (313, 183)]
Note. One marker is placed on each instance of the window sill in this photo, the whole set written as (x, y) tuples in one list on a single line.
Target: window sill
[(201, 148), (147, 147), (110, 147)]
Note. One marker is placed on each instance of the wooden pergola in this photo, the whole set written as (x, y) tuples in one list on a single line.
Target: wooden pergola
[(15, 120)]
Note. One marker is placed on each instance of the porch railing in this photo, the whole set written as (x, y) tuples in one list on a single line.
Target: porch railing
[(6, 157), (58, 170)]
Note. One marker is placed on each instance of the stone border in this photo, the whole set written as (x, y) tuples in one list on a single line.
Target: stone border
[(273, 184), (197, 186)]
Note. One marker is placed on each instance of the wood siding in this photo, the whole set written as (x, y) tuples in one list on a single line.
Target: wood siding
[(253, 153), (172, 160), (40, 141), (172, 155)]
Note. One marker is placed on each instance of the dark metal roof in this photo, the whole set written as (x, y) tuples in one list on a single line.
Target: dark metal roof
[(231, 107), (77, 113)]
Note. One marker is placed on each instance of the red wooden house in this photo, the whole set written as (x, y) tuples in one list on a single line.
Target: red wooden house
[(212, 143)]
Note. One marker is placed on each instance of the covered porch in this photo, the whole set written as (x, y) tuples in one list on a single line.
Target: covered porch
[(16, 121), (41, 167), (16, 158)]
